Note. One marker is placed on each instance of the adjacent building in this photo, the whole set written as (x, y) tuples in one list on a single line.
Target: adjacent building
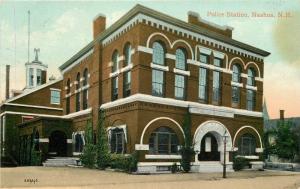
[(146, 71)]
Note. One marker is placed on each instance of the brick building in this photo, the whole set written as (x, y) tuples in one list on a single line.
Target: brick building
[(146, 71)]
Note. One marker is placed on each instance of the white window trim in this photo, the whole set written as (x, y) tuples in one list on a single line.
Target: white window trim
[(55, 89), (244, 75), (114, 74), (171, 56), (254, 88), (236, 84), (182, 72), (159, 67), (205, 50), (145, 49), (259, 79), (124, 127), (54, 103), (218, 54), (150, 156), (126, 68)]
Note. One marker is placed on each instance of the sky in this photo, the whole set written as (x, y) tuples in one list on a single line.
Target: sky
[(62, 28)]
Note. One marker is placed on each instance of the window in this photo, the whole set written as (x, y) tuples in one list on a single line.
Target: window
[(31, 76), (38, 77), (235, 96), (78, 92), (251, 77), (204, 58), (55, 97), (163, 141), (180, 59), (157, 83), (250, 100), (68, 97), (247, 145), (203, 84), (179, 87), (158, 56), (114, 92), (127, 84), (85, 91), (78, 142), (236, 74), (117, 141), (115, 61), (216, 87), (127, 53), (218, 62)]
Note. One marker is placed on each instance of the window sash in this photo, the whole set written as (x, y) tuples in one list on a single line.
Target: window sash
[(158, 56), (250, 100), (115, 81), (157, 83), (180, 59), (236, 95), (216, 86), (55, 97), (202, 84), (218, 62), (117, 141), (163, 143), (179, 86), (204, 58)]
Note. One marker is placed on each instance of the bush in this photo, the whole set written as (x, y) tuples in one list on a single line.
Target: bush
[(174, 168), (122, 162), (36, 158), (88, 156), (239, 163)]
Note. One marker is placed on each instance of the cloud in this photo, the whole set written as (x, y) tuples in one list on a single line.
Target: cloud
[(286, 38)]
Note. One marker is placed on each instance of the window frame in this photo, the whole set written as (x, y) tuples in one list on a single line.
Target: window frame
[(159, 53), (251, 77), (206, 56), (181, 59), (78, 101), (251, 100), (115, 62), (126, 84), (236, 76), (115, 88), (201, 86), (250, 149), (127, 54), (156, 145), (53, 98), (181, 88), (217, 90), (114, 145), (155, 82)]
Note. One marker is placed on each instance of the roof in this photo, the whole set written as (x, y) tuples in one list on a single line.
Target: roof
[(41, 119), (164, 17), (25, 93), (272, 123)]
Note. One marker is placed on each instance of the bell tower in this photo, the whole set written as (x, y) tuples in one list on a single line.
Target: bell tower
[(36, 72)]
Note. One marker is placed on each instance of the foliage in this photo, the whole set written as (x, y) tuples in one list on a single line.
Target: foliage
[(36, 156), (187, 150), (174, 168), (239, 163), (286, 145), (103, 154), (88, 156), (126, 163)]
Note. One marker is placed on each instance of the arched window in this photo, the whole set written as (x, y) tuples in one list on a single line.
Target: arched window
[(78, 142), (115, 61), (68, 97), (180, 59), (236, 73), (127, 54), (163, 141), (85, 91), (247, 145), (78, 92), (158, 56), (251, 77)]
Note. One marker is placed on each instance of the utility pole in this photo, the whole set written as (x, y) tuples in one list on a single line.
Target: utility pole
[(224, 163)]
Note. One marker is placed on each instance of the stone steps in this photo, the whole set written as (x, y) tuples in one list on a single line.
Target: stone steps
[(60, 161), (213, 167)]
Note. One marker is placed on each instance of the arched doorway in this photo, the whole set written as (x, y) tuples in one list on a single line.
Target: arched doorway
[(209, 135), (209, 148), (58, 144)]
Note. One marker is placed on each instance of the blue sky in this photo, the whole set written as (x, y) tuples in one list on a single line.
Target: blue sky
[(62, 28)]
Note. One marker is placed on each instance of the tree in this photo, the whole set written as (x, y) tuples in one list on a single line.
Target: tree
[(103, 155), (187, 150), (286, 144), (88, 156)]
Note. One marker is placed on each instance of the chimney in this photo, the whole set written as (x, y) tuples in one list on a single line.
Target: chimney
[(99, 24), (7, 81), (281, 115), (195, 19)]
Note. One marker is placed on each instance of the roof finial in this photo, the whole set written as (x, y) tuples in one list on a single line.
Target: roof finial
[(36, 50)]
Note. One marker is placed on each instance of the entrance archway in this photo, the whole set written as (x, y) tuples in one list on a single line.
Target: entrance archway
[(209, 148), (215, 131), (58, 144)]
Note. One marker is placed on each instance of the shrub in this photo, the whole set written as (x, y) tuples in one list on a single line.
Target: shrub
[(239, 163), (174, 168), (36, 158), (122, 162), (88, 156)]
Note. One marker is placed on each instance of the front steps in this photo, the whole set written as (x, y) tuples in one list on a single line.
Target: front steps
[(210, 167), (60, 161)]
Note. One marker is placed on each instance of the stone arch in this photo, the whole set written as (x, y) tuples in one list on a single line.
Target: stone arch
[(245, 127), (255, 67), (240, 61), (147, 127), (214, 127), (162, 37), (183, 44)]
